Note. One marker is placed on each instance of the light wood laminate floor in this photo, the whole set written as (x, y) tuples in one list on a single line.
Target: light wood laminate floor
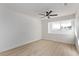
[(43, 48)]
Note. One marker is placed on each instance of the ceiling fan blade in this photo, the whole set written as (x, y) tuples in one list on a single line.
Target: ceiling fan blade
[(50, 11), (54, 15), (41, 14)]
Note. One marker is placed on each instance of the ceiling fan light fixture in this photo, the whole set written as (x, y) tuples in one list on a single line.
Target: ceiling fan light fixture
[(48, 14)]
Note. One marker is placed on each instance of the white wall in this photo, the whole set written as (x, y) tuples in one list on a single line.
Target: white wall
[(67, 37), (17, 29)]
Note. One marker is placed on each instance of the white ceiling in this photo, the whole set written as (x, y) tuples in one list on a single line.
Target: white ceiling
[(33, 9)]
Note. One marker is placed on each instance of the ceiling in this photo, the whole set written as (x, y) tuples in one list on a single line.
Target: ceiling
[(33, 9)]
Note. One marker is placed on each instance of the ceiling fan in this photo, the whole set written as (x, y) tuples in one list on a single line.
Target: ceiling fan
[(48, 14)]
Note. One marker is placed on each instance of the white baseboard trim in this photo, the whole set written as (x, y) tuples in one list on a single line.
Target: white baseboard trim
[(68, 42), (22, 44)]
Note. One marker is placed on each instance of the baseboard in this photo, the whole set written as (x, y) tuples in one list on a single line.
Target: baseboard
[(60, 41), (20, 45)]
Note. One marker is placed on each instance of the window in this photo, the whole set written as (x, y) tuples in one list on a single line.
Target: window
[(55, 26), (59, 26)]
